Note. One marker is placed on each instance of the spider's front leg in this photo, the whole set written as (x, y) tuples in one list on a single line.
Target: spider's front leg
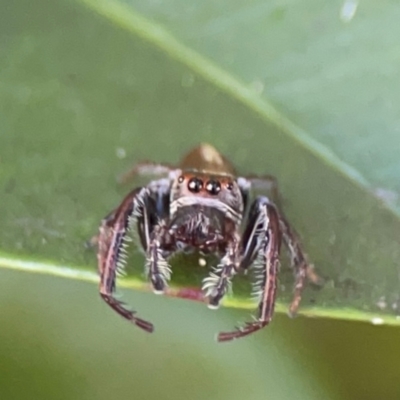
[(112, 241), (261, 244)]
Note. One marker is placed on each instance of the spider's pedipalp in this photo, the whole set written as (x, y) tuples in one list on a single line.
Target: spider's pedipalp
[(218, 283), (157, 267)]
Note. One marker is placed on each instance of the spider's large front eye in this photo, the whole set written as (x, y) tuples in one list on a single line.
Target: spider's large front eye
[(195, 185), (213, 187)]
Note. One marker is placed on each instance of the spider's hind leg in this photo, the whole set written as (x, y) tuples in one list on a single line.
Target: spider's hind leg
[(303, 270), (145, 168)]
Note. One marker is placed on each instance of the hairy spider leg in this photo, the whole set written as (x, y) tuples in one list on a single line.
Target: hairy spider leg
[(302, 269), (162, 198), (217, 284), (145, 168), (143, 211), (111, 253), (157, 268), (261, 245), (157, 214)]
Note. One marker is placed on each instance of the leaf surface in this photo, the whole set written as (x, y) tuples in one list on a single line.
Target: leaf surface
[(91, 90)]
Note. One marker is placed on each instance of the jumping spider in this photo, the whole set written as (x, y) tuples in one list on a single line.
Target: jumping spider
[(200, 205)]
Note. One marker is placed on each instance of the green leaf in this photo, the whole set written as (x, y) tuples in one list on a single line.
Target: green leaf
[(333, 67), (84, 88)]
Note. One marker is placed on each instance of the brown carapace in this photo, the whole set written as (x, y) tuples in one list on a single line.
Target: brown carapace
[(200, 205)]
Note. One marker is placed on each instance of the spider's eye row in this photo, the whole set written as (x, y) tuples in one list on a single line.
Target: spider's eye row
[(195, 185), (213, 187), (181, 179), (229, 185)]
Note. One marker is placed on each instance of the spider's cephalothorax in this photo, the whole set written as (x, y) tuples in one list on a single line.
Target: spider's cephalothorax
[(200, 205)]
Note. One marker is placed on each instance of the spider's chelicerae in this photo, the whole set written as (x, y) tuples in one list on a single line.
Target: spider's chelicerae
[(200, 205)]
